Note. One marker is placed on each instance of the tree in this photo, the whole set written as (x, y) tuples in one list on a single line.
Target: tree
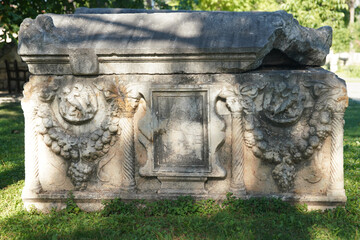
[(317, 13), (13, 12), (310, 13), (352, 6), (247, 5)]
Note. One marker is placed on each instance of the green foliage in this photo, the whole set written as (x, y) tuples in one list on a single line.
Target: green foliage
[(117, 206), (207, 207), (341, 39), (309, 13), (183, 218), (71, 206), (180, 4), (259, 205), (349, 71), (237, 5), (182, 206), (315, 14), (110, 3), (13, 12), (355, 37)]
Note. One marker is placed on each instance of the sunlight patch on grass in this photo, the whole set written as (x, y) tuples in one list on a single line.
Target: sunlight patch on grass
[(10, 199)]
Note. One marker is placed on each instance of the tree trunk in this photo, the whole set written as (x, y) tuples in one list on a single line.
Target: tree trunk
[(351, 5), (149, 4)]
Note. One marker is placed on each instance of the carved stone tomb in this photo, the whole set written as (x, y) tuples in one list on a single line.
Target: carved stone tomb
[(152, 105)]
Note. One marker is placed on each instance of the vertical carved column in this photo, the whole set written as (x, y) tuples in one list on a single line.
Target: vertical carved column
[(237, 185), (32, 182), (127, 139), (336, 185)]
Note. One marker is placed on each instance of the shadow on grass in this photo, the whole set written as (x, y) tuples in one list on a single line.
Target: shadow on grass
[(12, 144), (251, 219), (11, 109), (11, 175), (352, 120)]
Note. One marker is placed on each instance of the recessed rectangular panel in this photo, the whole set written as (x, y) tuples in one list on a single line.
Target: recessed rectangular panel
[(181, 131)]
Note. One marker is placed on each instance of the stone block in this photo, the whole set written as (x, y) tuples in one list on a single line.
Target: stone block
[(121, 104)]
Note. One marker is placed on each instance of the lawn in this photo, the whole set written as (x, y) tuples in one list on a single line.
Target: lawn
[(180, 219), (351, 73)]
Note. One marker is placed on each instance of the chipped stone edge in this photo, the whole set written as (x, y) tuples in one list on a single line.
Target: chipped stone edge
[(306, 46)]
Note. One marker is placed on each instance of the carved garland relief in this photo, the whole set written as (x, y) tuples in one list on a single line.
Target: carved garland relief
[(270, 118), (279, 129), (84, 147)]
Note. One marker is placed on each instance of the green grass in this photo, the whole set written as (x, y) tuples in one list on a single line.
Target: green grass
[(350, 73), (12, 144), (179, 219)]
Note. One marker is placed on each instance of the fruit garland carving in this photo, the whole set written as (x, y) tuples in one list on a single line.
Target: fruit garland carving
[(280, 130), (78, 104)]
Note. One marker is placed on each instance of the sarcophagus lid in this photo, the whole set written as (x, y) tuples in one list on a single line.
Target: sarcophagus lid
[(96, 41)]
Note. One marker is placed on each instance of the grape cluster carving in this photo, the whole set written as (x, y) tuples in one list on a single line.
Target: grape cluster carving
[(292, 134), (82, 151)]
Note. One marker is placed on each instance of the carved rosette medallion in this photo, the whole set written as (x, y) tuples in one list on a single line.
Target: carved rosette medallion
[(68, 118), (77, 104), (278, 127), (282, 103)]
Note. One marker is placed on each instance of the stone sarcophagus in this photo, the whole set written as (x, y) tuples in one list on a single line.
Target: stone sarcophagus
[(151, 105)]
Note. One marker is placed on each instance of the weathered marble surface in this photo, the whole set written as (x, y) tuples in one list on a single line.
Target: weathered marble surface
[(199, 42), (127, 105)]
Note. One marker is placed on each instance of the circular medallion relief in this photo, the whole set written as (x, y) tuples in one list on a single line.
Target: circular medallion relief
[(77, 103), (283, 104)]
